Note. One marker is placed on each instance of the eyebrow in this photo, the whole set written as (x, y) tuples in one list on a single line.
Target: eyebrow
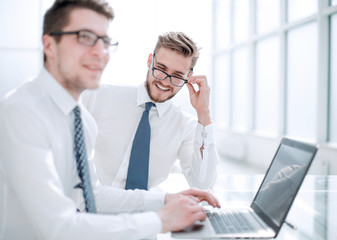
[(89, 30)]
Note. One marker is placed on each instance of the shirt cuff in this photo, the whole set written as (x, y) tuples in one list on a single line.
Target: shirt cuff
[(154, 200), (204, 136)]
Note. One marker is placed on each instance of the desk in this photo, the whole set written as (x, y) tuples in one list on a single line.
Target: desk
[(314, 212)]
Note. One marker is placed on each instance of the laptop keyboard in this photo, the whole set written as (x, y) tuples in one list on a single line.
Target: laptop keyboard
[(230, 221)]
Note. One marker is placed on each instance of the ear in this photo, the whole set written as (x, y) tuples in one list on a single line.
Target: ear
[(48, 46), (149, 60)]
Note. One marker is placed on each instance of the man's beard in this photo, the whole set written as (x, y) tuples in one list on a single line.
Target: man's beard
[(153, 98)]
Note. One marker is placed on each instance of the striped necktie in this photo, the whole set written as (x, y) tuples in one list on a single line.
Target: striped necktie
[(82, 163)]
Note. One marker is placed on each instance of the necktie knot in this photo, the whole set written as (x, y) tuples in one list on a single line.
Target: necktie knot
[(148, 106), (77, 111)]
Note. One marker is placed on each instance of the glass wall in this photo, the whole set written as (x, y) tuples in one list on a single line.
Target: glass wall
[(240, 20), (276, 80), (267, 93), (20, 54), (333, 80), (222, 91), (240, 90), (302, 81), (267, 15), (222, 24), (298, 9)]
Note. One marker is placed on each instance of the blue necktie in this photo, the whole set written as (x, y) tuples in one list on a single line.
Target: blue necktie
[(138, 171), (82, 163)]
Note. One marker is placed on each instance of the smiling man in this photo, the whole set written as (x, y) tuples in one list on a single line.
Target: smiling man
[(128, 161)]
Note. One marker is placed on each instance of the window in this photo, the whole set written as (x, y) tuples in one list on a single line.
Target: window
[(240, 20), (268, 15), (298, 9), (240, 90), (20, 54), (222, 24), (267, 86), (278, 72), (15, 35), (222, 91), (333, 80), (302, 81)]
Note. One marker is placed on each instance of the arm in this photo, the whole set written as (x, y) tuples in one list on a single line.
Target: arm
[(115, 200), (198, 152)]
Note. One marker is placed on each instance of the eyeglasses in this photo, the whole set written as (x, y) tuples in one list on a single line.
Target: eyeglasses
[(89, 38), (161, 75)]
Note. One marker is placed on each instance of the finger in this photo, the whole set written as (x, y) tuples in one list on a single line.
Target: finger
[(202, 85), (207, 196), (196, 208), (199, 80), (190, 88), (199, 215), (190, 200), (211, 199), (195, 199)]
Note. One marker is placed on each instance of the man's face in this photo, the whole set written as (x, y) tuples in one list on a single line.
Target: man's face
[(76, 66), (172, 63)]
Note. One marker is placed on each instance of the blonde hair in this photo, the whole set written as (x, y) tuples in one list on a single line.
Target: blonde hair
[(179, 42)]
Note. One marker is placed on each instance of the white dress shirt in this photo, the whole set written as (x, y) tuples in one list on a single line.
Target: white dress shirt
[(174, 135), (38, 173)]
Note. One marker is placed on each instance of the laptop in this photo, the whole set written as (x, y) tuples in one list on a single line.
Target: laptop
[(268, 210)]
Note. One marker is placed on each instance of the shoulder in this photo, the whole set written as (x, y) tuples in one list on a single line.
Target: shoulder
[(23, 99), (21, 111), (108, 93)]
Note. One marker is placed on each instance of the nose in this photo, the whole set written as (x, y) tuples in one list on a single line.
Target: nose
[(167, 80), (99, 48)]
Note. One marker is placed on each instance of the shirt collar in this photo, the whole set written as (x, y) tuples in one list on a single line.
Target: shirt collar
[(57, 93), (143, 97)]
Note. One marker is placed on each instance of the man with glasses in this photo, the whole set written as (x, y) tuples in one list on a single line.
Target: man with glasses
[(47, 140), (174, 134)]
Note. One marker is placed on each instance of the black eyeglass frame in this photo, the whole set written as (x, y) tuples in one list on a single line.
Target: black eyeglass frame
[(106, 40), (167, 75)]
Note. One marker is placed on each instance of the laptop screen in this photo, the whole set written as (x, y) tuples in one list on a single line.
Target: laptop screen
[(282, 181)]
